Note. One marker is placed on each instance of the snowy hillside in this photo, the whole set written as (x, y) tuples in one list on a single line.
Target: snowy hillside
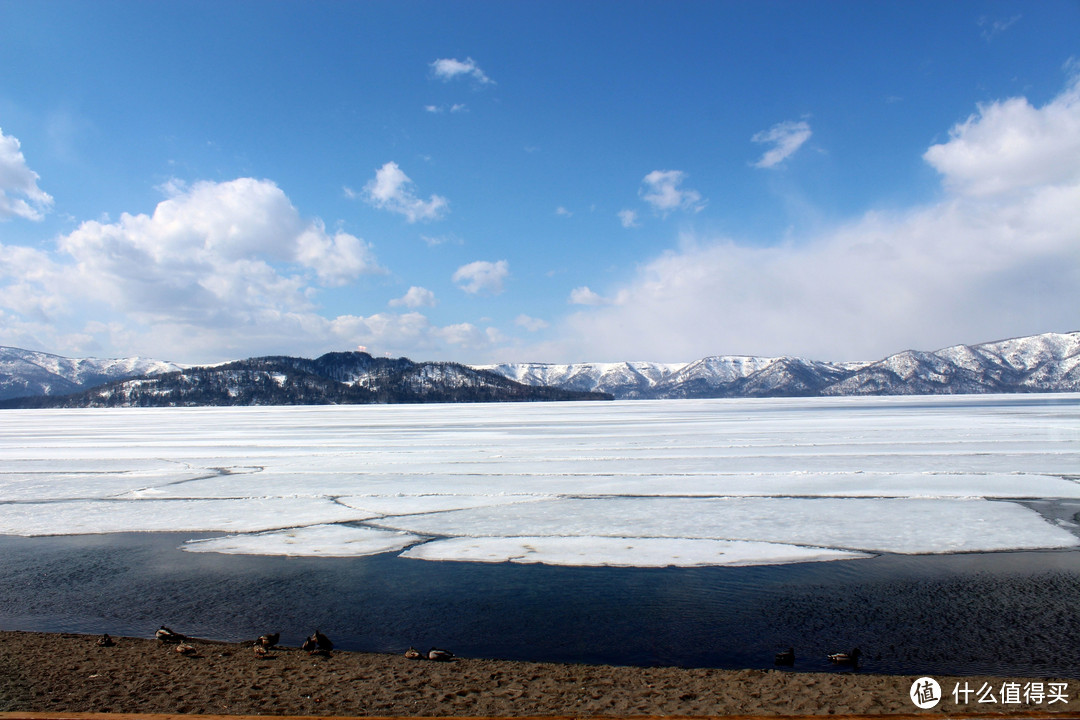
[(25, 372), (1040, 363), (332, 379)]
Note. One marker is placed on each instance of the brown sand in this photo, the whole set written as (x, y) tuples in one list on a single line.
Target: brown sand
[(70, 673)]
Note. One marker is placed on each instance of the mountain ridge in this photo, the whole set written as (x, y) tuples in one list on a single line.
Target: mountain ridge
[(333, 378), (1048, 362)]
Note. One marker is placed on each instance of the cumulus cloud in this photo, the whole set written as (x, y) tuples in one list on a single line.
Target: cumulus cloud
[(584, 296), (786, 137), (414, 298), (1010, 146), (392, 190), (215, 266), (336, 259), (997, 256), (661, 190), (628, 218), (482, 276), (530, 323), (447, 69), (20, 195)]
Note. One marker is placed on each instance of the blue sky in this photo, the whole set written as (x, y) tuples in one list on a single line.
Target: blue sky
[(536, 181)]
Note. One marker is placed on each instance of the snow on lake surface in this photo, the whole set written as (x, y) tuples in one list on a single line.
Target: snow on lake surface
[(648, 483)]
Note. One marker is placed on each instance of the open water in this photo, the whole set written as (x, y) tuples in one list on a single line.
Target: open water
[(1010, 613)]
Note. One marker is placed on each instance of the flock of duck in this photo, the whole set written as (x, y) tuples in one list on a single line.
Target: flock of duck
[(319, 644), (787, 658), (316, 644)]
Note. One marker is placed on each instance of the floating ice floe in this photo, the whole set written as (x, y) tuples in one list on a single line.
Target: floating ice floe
[(621, 552), (313, 541)]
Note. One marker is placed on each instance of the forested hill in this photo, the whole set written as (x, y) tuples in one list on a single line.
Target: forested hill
[(334, 378)]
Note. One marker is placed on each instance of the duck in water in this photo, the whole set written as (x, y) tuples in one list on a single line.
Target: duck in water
[(787, 657), (846, 658)]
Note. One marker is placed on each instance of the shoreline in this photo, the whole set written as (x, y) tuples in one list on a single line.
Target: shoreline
[(71, 673)]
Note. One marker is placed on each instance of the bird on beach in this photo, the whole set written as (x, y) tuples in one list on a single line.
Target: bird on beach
[(322, 641), (106, 641), (412, 653), (786, 657), (317, 644), (185, 649), (439, 654), (166, 635), (846, 658), (268, 641)]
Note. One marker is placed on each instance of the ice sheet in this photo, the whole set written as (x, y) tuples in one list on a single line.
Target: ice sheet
[(621, 552), (869, 474), (111, 516), (881, 525)]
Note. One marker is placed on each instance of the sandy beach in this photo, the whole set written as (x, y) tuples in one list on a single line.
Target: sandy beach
[(64, 673)]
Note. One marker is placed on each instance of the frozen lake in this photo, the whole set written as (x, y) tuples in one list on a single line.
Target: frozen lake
[(665, 483), (729, 528)]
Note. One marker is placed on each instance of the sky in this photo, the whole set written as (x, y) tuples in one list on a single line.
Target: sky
[(553, 181)]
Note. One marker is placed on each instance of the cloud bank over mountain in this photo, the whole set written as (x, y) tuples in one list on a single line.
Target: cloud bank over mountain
[(997, 254)]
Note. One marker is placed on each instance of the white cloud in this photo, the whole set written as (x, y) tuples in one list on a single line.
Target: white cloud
[(662, 191), (463, 334), (482, 276), (584, 296), (447, 69), (1010, 146), (436, 240), (787, 137), (530, 323), (992, 28), (999, 256), (218, 270), (563, 212), (414, 298), (628, 218), (20, 195), (392, 190), (336, 260), (439, 109)]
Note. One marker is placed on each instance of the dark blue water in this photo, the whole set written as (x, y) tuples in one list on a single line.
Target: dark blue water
[(1002, 613)]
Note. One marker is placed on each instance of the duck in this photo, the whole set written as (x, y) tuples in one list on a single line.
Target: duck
[(412, 653), (268, 641), (260, 651), (846, 658), (105, 641), (439, 654), (185, 649), (787, 657), (317, 644), (322, 641), (166, 635)]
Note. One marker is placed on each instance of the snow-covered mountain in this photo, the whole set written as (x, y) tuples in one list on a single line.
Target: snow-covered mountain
[(25, 372), (335, 378), (1040, 363)]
